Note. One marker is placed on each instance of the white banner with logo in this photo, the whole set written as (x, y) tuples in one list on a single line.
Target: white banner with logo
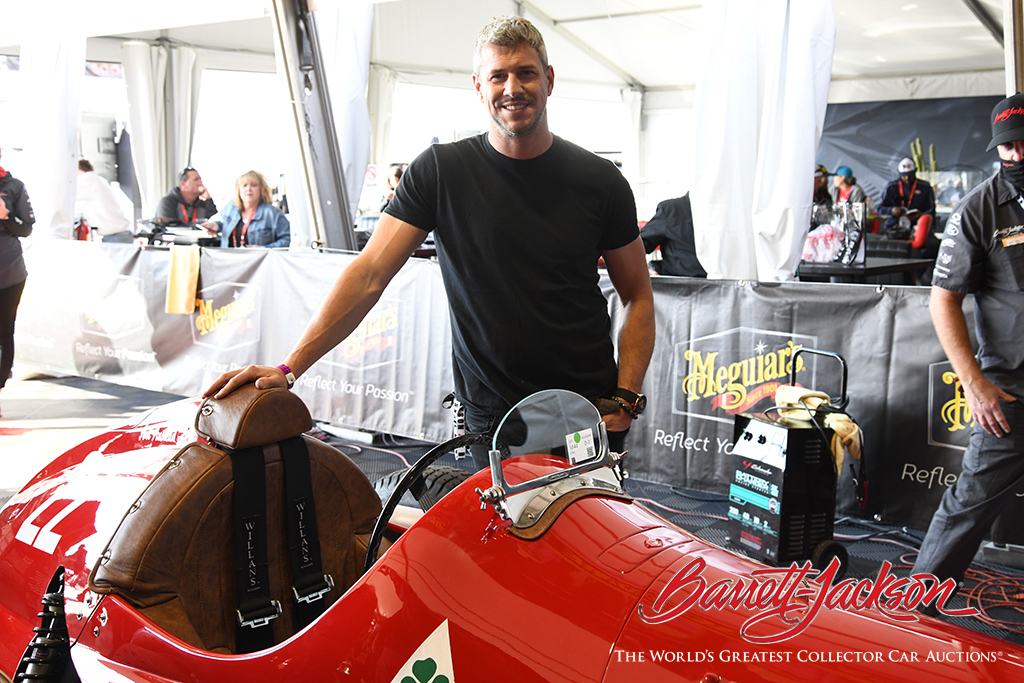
[(722, 347)]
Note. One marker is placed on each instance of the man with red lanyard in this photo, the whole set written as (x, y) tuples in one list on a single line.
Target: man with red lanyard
[(906, 199), (189, 202)]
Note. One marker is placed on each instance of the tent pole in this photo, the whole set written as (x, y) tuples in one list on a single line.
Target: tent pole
[(298, 44), (1013, 45)]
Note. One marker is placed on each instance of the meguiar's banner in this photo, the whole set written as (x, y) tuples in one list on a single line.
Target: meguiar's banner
[(722, 347)]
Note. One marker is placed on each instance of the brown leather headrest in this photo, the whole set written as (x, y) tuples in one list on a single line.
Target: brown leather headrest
[(253, 417)]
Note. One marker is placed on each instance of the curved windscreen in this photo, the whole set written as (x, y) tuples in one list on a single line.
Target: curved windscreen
[(556, 422)]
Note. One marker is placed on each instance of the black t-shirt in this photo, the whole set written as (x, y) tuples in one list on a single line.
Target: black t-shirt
[(518, 242)]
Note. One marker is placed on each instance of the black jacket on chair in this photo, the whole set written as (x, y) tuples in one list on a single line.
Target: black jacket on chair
[(672, 230)]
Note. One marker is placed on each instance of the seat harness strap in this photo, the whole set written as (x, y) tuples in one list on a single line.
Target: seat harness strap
[(256, 610), (310, 581)]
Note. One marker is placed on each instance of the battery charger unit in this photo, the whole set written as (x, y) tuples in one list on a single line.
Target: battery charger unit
[(782, 496)]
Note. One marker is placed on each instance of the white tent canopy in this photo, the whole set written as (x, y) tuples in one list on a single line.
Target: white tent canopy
[(884, 50), (645, 54)]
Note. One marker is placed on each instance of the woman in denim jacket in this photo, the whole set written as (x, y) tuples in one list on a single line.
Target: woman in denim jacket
[(251, 221)]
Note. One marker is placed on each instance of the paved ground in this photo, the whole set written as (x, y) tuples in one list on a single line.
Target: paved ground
[(44, 415)]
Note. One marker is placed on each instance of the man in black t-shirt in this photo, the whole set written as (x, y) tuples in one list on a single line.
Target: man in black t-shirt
[(520, 219)]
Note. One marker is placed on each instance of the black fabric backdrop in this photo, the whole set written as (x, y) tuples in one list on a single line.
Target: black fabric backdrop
[(872, 137), (722, 347)]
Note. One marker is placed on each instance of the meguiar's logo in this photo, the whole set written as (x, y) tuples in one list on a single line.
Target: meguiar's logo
[(116, 308), (375, 333), (212, 318), (729, 386), (956, 414), (728, 373), (375, 341), (226, 316), (949, 416)]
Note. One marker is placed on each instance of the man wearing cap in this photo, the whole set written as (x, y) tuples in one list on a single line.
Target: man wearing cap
[(905, 200), (982, 253), (821, 195), (845, 187)]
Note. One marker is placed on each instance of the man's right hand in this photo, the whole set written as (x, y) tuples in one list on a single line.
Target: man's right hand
[(982, 396), (983, 399), (264, 376)]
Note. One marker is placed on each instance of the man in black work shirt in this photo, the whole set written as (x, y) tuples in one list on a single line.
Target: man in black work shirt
[(982, 254)]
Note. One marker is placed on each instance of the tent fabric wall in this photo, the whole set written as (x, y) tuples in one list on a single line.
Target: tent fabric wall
[(918, 87), (759, 109), (163, 96), (52, 67), (145, 67), (726, 112), (345, 40), (632, 155), (380, 98), (183, 81), (799, 40)]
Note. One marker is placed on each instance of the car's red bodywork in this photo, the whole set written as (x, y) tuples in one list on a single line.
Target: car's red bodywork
[(562, 607)]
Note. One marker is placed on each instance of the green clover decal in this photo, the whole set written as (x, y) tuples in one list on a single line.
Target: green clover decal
[(424, 671)]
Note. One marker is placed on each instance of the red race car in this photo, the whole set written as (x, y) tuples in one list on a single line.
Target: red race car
[(220, 544)]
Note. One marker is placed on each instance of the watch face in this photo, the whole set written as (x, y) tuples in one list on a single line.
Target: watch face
[(641, 404)]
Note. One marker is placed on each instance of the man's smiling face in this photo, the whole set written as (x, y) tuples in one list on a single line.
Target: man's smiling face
[(515, 86)]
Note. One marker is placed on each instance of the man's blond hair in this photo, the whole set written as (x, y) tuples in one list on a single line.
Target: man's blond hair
[(509, 31)]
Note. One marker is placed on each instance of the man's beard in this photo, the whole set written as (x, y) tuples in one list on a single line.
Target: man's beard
[(528, 128)]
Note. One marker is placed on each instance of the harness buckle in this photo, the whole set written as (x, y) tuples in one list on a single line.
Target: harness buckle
[(261, 617), (314, 592)]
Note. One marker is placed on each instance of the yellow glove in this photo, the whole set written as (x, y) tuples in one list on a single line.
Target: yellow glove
[(847, 437), (795, 402)]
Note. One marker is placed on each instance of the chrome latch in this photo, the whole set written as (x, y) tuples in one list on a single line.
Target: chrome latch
[(258, 621), (315, 595)]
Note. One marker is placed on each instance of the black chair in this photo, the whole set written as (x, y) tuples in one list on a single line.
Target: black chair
[(886, 248)]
